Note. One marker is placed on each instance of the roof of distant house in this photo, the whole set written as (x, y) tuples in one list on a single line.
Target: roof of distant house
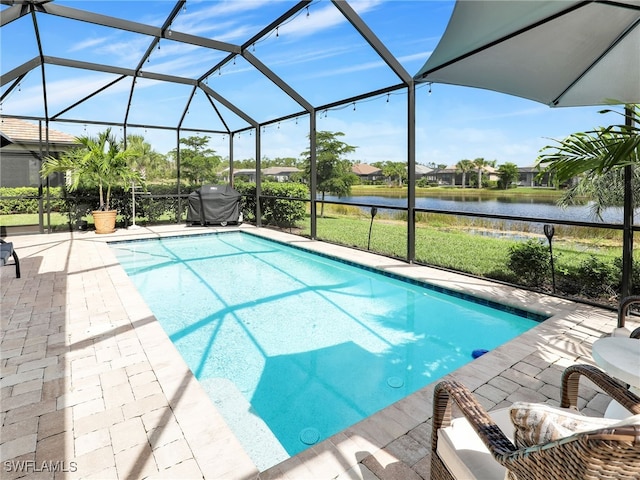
[(423, 169), (454, 168), (279, 170), (19, 131), (364, 169)]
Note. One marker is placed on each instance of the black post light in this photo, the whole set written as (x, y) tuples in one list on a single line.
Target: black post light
[(549, 231), (374, 211)]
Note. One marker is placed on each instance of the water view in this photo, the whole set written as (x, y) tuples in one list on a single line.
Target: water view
[(514, 206)]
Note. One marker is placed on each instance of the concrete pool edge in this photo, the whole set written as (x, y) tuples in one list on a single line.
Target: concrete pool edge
[(395, 437)]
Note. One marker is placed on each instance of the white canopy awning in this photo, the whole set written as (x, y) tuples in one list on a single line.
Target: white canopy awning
[(560, 53)]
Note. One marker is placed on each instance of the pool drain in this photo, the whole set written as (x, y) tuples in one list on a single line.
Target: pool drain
[(395, 382), (309, 436)]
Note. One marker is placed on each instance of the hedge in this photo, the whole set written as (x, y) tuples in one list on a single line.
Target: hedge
[(28, 200), (275, 211), (160, 202)]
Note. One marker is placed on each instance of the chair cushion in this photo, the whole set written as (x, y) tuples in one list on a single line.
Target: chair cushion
[(538, 423), (464, 454), (6, 250)]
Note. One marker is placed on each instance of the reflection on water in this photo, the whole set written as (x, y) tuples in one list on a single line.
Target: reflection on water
[(515, 206)]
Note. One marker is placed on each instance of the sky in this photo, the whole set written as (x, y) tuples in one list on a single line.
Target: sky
[(317, 53)]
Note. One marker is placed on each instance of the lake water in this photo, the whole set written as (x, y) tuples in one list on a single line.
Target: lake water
[(519, 207)]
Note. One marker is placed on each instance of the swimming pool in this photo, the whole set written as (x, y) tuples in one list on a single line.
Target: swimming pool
[(292, 346)]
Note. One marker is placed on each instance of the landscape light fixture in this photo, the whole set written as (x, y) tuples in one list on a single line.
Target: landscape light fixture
[(549, 231), (374, 211)]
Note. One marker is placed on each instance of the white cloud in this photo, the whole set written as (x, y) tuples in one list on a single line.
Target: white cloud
[(360, 67), (321, 18), (422, 56), (87, 44), (314, 54), (212, 19)]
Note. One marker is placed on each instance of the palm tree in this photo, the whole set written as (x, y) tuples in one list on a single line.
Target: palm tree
[(464, 166), (612, 151), (480, 164), (394, 169), (97, 161), (596, 158), (144, 159), (596, 152), (605, 190)]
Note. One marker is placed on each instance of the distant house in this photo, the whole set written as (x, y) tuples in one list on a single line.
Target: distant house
[(280, 174), (422, 171), (447, 175), (21, 154), (366, 172), (450, 175), (248, 174), (442, 176), (528, 177), (489, 173)]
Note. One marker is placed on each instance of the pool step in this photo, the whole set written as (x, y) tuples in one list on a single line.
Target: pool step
[(253, 433)]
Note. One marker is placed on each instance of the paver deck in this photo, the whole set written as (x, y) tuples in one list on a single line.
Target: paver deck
[(93, 388)]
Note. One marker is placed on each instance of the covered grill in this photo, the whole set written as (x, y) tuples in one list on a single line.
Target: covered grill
[(214, 205)]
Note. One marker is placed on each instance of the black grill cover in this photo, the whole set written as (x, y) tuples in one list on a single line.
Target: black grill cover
[(214, 204)]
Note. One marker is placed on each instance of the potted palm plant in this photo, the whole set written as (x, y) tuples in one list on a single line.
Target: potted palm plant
[(99, 161)]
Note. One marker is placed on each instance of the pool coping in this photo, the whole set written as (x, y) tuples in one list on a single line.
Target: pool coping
[(366, 448)]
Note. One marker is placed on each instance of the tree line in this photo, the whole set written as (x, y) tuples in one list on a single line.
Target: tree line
[(594, 158), (200, 164)]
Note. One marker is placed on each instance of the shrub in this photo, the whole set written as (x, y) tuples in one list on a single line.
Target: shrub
[(248, 192), (165, 202), (530, 262), (276, 211), (25, 200), (597, 277), (635, 275)]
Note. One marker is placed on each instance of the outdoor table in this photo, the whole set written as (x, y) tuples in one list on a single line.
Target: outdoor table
[(620, 358)]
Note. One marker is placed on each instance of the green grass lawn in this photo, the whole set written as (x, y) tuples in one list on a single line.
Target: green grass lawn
[(449, 247), (18, 219)]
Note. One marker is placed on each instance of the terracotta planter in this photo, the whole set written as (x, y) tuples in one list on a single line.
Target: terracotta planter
[(104, 221)]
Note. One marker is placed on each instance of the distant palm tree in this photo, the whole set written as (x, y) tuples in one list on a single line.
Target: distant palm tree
[(144, 159), (464, 166), (480, 164)]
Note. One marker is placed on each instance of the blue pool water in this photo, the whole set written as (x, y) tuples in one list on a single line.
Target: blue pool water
[(294, 347)]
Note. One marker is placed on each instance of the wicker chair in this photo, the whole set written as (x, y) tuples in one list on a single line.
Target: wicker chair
[(612, 452)]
